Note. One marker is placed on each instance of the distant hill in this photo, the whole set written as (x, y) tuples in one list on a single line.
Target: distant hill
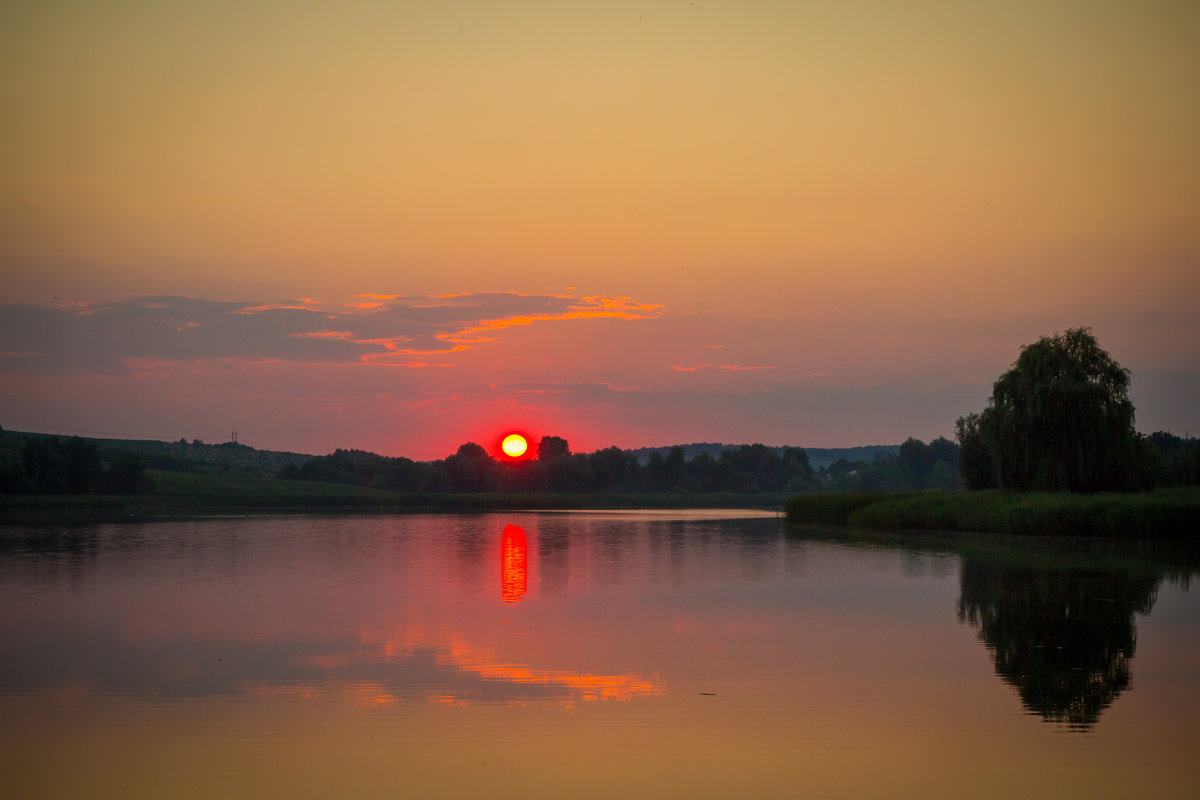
[(817, 456), (228, 458)]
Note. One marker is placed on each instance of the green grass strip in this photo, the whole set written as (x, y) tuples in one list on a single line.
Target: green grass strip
[(186, 494), (1162, 513)]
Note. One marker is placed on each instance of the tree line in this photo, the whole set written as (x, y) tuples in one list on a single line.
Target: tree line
[(50, 465), (753, 468)]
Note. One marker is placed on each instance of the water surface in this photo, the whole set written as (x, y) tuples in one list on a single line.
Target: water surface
[(590, 655)]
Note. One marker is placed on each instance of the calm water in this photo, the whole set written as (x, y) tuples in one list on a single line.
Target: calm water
[(589, 655)]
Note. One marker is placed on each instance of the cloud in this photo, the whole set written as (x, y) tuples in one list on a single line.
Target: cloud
[(577, 390), (392, 330), (585, 308), (728, 367)]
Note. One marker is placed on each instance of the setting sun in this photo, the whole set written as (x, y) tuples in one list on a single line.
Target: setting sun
[(514, 445)]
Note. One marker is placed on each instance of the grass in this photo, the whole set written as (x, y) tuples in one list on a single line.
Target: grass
[(191, 488), (1162, 513), (835, 508), (187, 494), (1174, 558)]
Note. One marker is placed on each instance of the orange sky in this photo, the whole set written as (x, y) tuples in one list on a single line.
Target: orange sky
[(874, 204)]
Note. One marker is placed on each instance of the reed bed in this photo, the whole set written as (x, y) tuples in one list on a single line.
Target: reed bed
[(1161, 513)]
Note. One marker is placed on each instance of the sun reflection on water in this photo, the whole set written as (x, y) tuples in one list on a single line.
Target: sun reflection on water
[(514, 564)]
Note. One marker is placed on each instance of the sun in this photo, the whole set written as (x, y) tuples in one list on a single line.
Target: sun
[(514, 445)]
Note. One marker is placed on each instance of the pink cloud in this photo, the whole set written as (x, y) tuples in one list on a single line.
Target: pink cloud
[(729, 367), (596, 307), (342, 335), (269, 307)]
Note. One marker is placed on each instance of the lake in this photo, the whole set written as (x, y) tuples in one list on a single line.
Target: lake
[(545, 655)]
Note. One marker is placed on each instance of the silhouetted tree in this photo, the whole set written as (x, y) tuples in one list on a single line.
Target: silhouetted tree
[(657, 479), (55, 467), (401, 475), (472, 450), (570, 473), (613, 469), (675, 462), (552, 447), (753, 468), (127, 475), (517, 476), (13, 479), (798, 475), (708, 474), (974, 457), (1060, 419), (1172, 460), (468, 468), (337, 467)]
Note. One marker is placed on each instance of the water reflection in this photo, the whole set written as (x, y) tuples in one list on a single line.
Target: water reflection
[(514, 564), (1062, 635), (567, 686), (707, 657), (397, 610), (553, 563), (1056, 616), (413, 664), (199, 610)]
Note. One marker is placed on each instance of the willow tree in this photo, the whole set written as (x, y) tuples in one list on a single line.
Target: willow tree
[(1060, 419)]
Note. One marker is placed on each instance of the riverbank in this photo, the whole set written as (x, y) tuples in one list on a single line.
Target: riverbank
[(1161, 513), (184, 494)]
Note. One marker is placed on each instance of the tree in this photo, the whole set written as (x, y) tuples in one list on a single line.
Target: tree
[(552, 447), (798, 474), (974, 457), (1060, 419), (56, 467), (753, 468), (1173, 461), (613, 469), (127, 475), (468, 468), (13, 479), (471, 450)]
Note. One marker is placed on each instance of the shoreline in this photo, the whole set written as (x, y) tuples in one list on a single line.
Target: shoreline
[(93, 509), (1162, 513)]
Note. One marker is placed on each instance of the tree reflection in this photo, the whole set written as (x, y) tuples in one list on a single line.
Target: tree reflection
[(1063, 637), (1056, 614), (553, 557)]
